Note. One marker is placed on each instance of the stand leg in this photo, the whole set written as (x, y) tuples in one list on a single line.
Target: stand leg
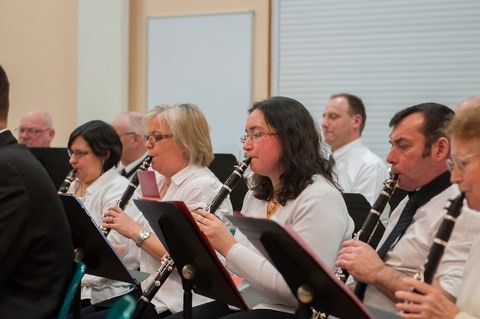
[(187, 299), (303, 311)]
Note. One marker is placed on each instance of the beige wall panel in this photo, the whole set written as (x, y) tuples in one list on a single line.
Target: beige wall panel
[(38, 51)]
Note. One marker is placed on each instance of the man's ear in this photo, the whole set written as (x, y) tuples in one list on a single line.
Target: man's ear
[(441, 149), (357, 121)]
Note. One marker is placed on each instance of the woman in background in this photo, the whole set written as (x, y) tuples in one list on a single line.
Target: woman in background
[(292, 183), (95, 150)]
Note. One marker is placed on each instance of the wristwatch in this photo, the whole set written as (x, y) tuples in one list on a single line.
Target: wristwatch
[(142, 236)]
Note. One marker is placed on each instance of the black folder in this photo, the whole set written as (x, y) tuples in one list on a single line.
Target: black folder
[(56, 162), (358, 208), (98, 255), (302, 268), (187, 245)]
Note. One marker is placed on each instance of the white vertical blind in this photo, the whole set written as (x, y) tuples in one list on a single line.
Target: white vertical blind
[(392, 54), (102, 59)]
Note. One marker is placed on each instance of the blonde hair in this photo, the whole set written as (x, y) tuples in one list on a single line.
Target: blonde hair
[(466, 125), (189, 128)]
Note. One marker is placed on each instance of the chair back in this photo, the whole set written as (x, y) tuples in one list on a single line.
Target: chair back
[(122, 309), (78, 272)]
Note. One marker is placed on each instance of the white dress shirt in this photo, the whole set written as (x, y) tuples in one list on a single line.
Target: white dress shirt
[(318, 215), (101, 195), (411, 251)]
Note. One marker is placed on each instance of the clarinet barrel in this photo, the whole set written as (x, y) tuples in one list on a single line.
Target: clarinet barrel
[(132, 186), (128, 193), (228, 186), (67, 182)]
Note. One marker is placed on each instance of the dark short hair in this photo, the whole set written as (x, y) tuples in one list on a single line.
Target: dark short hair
[(355, 107), (302, 155), (436, 117), (102, 139), (4, 92)]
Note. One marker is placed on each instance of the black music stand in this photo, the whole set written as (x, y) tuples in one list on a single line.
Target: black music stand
[(56, 162), (92, 247), (311, 281), (358, 208), (194, 257)]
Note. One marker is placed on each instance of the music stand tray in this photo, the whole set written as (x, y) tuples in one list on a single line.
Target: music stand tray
[(187, 245), (98, 255), (302, 268)]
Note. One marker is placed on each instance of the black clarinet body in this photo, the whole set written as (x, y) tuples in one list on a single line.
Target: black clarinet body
[(370, 224), (67, 181), (167, 266), (435, 254), (128, 193)]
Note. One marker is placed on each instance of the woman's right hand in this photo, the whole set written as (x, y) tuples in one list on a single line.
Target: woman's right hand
[(115, 218)]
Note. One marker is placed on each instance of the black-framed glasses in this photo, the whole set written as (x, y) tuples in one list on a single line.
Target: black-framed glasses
[(455, 162), (126, 133), (255, 136), (30, 131), (153, 138), (78, 154)]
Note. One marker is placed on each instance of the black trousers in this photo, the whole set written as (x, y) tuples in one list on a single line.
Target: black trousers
[(216, 309)]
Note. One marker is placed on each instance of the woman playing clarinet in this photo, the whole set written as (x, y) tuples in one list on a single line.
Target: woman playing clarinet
[(292, 183), (95, 150), (178, 141)]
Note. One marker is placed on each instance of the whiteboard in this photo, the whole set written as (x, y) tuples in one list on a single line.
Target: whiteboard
[(205, 60)]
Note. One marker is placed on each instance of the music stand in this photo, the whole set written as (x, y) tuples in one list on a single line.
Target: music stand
[(96, 252), (56, 162), (358, 208), (194, 257), (93, 249), (311, 281)]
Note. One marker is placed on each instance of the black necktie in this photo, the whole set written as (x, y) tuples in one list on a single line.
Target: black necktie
[(123, 172), (415, 200)]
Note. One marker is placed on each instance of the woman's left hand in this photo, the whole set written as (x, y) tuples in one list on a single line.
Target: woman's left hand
[(217, 233)]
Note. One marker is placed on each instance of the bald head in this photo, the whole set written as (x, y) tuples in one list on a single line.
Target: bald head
[(129, 126), (36, 129), (470, 103)]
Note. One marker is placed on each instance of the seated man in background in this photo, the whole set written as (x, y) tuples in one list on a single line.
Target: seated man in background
[(36, 129), (357, 168), (418, 153), (464, 164), (129, 127), (36, 247)]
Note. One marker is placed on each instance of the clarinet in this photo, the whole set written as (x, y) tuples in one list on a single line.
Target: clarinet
[(128, 193), (370, 224), (167, 264), (68, 180), (427, 271)]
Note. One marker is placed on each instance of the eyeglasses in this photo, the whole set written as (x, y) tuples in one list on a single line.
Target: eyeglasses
[(255, 136), (126, 133), (78, 154), (455, 162), (30, 131), (153, 138)]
